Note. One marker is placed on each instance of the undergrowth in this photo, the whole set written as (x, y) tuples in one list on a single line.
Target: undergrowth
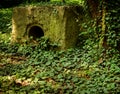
[(34, 69)]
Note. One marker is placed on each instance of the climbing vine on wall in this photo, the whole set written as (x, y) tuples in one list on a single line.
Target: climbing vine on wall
[(113, 25)]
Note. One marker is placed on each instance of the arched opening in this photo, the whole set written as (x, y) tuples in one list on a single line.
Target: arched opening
[(35, 32)]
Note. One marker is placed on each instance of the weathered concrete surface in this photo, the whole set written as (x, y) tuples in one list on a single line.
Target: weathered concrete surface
[(58, 23)]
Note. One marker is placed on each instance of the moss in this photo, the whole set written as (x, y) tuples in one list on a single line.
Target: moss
[(59, 23)]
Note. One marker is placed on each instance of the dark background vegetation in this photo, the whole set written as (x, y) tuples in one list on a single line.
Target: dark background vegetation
[(12, 3)]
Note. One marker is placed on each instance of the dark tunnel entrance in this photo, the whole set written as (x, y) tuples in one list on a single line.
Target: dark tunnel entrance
[(35, 32)]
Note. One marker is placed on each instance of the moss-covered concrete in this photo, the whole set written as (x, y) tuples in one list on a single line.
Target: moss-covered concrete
[(59, 23)]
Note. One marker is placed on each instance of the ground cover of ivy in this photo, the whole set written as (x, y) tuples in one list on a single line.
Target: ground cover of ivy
[(31, 68)]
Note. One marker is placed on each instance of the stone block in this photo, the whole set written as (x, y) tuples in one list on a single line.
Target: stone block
[(58, 23)]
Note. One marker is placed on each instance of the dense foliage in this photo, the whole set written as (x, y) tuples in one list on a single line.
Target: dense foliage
[(5, 20), (87, 69), (113, 24)]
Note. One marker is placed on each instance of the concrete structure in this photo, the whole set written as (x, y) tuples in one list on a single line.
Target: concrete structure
[(58, 23)]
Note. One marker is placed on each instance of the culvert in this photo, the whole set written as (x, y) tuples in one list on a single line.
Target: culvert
[(35, 32), (60, 24)]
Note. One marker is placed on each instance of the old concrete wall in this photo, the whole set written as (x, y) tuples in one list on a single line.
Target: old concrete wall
[(59, 23)]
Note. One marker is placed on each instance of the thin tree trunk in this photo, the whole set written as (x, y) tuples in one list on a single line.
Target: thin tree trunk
[(103, 39)]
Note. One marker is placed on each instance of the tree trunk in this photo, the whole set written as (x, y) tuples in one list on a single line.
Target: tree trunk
[(93, 6), (98, 12)]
